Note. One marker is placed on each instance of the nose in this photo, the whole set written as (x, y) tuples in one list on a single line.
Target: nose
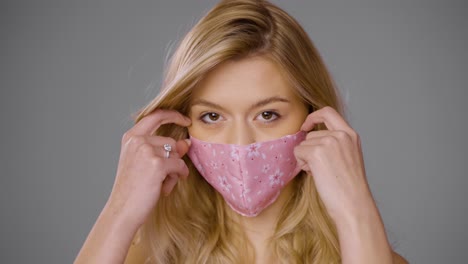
[(240, 134)]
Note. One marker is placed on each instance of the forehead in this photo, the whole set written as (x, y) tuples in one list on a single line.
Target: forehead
[(251, 78)]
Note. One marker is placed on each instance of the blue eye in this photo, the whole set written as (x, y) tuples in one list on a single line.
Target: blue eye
[(210, 118), (269, 116)]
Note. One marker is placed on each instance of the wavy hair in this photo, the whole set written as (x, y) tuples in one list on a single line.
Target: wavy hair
[(193, 224)]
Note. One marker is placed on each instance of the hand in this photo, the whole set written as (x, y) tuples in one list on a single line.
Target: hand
[(143, 170), (334, 158)]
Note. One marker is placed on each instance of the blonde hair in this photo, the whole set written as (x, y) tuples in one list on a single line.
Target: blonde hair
[(193, 224)]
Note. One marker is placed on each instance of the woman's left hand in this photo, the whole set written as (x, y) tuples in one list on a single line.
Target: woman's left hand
[(334, 158)]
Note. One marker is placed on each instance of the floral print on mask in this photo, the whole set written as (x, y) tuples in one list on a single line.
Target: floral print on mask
[(249, 177)]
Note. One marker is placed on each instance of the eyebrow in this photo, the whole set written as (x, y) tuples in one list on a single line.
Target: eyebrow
[(258, 104)]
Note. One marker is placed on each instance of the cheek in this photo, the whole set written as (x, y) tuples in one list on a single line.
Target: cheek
[(289, 125), (200, 130), (301, 115), (285, 128), (294, 120), (195, 129)]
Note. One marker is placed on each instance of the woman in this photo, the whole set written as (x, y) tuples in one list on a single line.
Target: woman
[(248, 146)]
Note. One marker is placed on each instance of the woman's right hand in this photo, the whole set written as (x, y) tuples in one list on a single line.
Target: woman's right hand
[(142, 174), (143, 171)]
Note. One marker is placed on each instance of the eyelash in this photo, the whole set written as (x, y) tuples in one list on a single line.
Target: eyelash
[(206, 115), (275, 117)]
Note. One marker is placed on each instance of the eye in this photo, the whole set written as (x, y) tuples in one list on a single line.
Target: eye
[(210, 118), (268, 116)]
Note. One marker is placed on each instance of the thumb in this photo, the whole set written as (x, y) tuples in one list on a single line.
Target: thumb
[(183, 146), (300, 153)]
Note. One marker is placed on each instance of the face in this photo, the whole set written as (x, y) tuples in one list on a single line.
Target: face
[(245, 101)]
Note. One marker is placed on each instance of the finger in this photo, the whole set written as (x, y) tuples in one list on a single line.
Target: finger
[(303, 154), (176, 169), (183, 147), (176, 166), (169, 183), (328, 116), (158, 144), (154, 120), (338, 134), (178, 149), (318, 133), (313, 141)]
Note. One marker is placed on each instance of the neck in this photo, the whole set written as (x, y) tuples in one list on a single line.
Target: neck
[(260, 229)]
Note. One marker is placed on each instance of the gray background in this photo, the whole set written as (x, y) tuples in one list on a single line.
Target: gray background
[(72, 73)]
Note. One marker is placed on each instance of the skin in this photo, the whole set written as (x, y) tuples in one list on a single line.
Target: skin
[(225, 109), (333, 157), (242, 102), (143, 174)]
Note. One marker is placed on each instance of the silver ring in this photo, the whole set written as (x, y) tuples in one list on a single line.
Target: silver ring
[(168, 149)]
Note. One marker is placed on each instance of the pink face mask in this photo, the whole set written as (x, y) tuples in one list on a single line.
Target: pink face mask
[(249, 177)]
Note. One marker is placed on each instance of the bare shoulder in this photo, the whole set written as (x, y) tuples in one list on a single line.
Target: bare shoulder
[(398, 259), (136, 252)]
